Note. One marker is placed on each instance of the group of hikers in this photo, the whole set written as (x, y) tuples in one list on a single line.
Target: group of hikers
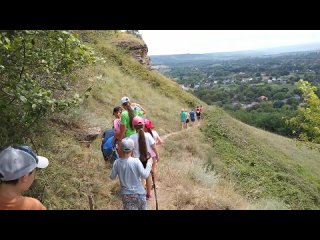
[(133, 142), (190, 117)]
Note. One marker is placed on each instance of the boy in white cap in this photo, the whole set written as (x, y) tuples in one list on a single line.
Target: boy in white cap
[(17, 171), (130, 171)]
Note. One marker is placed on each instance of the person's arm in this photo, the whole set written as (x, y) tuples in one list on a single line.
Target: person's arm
[(154, 148), (117, 136), (122, 127), (114, 171), (138, 105), (122, 131), (160, 141), (142, 109)]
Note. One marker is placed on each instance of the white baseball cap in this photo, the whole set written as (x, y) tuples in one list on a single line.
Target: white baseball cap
[(17, 161), (125, 100), (127, 144)]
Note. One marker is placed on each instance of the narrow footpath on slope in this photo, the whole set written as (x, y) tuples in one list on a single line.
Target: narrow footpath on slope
[(165, 195)]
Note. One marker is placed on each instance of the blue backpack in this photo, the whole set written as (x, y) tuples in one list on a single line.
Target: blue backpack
[(107, 134), (108, 150)]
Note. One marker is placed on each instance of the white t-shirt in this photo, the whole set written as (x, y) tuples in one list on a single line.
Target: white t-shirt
[(149, 141), (155, 137)]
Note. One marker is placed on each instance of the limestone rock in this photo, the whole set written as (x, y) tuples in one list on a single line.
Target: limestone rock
[(137, 50)]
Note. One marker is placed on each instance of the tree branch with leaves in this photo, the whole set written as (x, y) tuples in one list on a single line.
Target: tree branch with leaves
[(307, 123)]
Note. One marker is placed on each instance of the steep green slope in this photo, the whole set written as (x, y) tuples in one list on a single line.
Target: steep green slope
[(267, 169), (264, 165)]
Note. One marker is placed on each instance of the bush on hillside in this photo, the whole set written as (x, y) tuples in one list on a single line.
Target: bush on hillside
[(36, 80), (307, 123)]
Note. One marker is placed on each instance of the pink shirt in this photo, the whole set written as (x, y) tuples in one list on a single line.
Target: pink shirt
[(116, 125)]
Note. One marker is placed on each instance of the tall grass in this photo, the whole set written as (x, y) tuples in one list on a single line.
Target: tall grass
[(264, 165)]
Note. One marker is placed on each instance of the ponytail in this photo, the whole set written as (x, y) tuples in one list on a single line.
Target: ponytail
[(150, 131), (142, 144)]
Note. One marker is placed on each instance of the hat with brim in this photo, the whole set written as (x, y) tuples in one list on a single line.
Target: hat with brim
[(148, 124), (17, 161), (127, 145), (125, 100)]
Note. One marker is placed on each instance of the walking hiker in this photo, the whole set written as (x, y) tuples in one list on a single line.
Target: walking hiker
[(17, 171), (201, 109), (192, 115), (116, 124), (198, 114), (138, 110), (130, 171), (148, 126), (143, 143), (106, 143), (183, 119), (126, 127), (187, 118), (110, 137)]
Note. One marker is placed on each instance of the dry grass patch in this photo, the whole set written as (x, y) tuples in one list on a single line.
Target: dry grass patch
[(187, 182)]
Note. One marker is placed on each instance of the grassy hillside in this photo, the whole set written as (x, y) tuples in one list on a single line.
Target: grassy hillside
[(264, 165), (223, 164)]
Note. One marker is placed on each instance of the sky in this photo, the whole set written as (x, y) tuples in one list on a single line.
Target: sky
[(166, 42)]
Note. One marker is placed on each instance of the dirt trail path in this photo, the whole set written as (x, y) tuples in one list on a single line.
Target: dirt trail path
[(166, 195), (170, 134)]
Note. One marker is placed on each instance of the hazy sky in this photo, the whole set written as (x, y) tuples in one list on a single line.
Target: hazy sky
[(162, 42)]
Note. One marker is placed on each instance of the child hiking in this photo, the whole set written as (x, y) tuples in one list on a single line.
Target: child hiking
[(126, 126), (187, 118), (17, 171), (130, 171), (116, 123), (198, 114), (148, 126), (143, 143), (192, 115), (183, 118)]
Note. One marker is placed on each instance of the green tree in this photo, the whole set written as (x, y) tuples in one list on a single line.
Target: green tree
[(307, 124), (35, 73)]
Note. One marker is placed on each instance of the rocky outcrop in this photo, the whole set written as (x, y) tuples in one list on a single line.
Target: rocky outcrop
[(137, 50), (87, 136)]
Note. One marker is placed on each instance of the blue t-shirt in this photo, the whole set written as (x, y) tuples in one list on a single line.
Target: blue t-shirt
[(192, 115), (130, 172)]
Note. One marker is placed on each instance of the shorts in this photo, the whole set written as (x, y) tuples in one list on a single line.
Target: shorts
[(134, 202), (193, 119), (182, 120), (187, 121)]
